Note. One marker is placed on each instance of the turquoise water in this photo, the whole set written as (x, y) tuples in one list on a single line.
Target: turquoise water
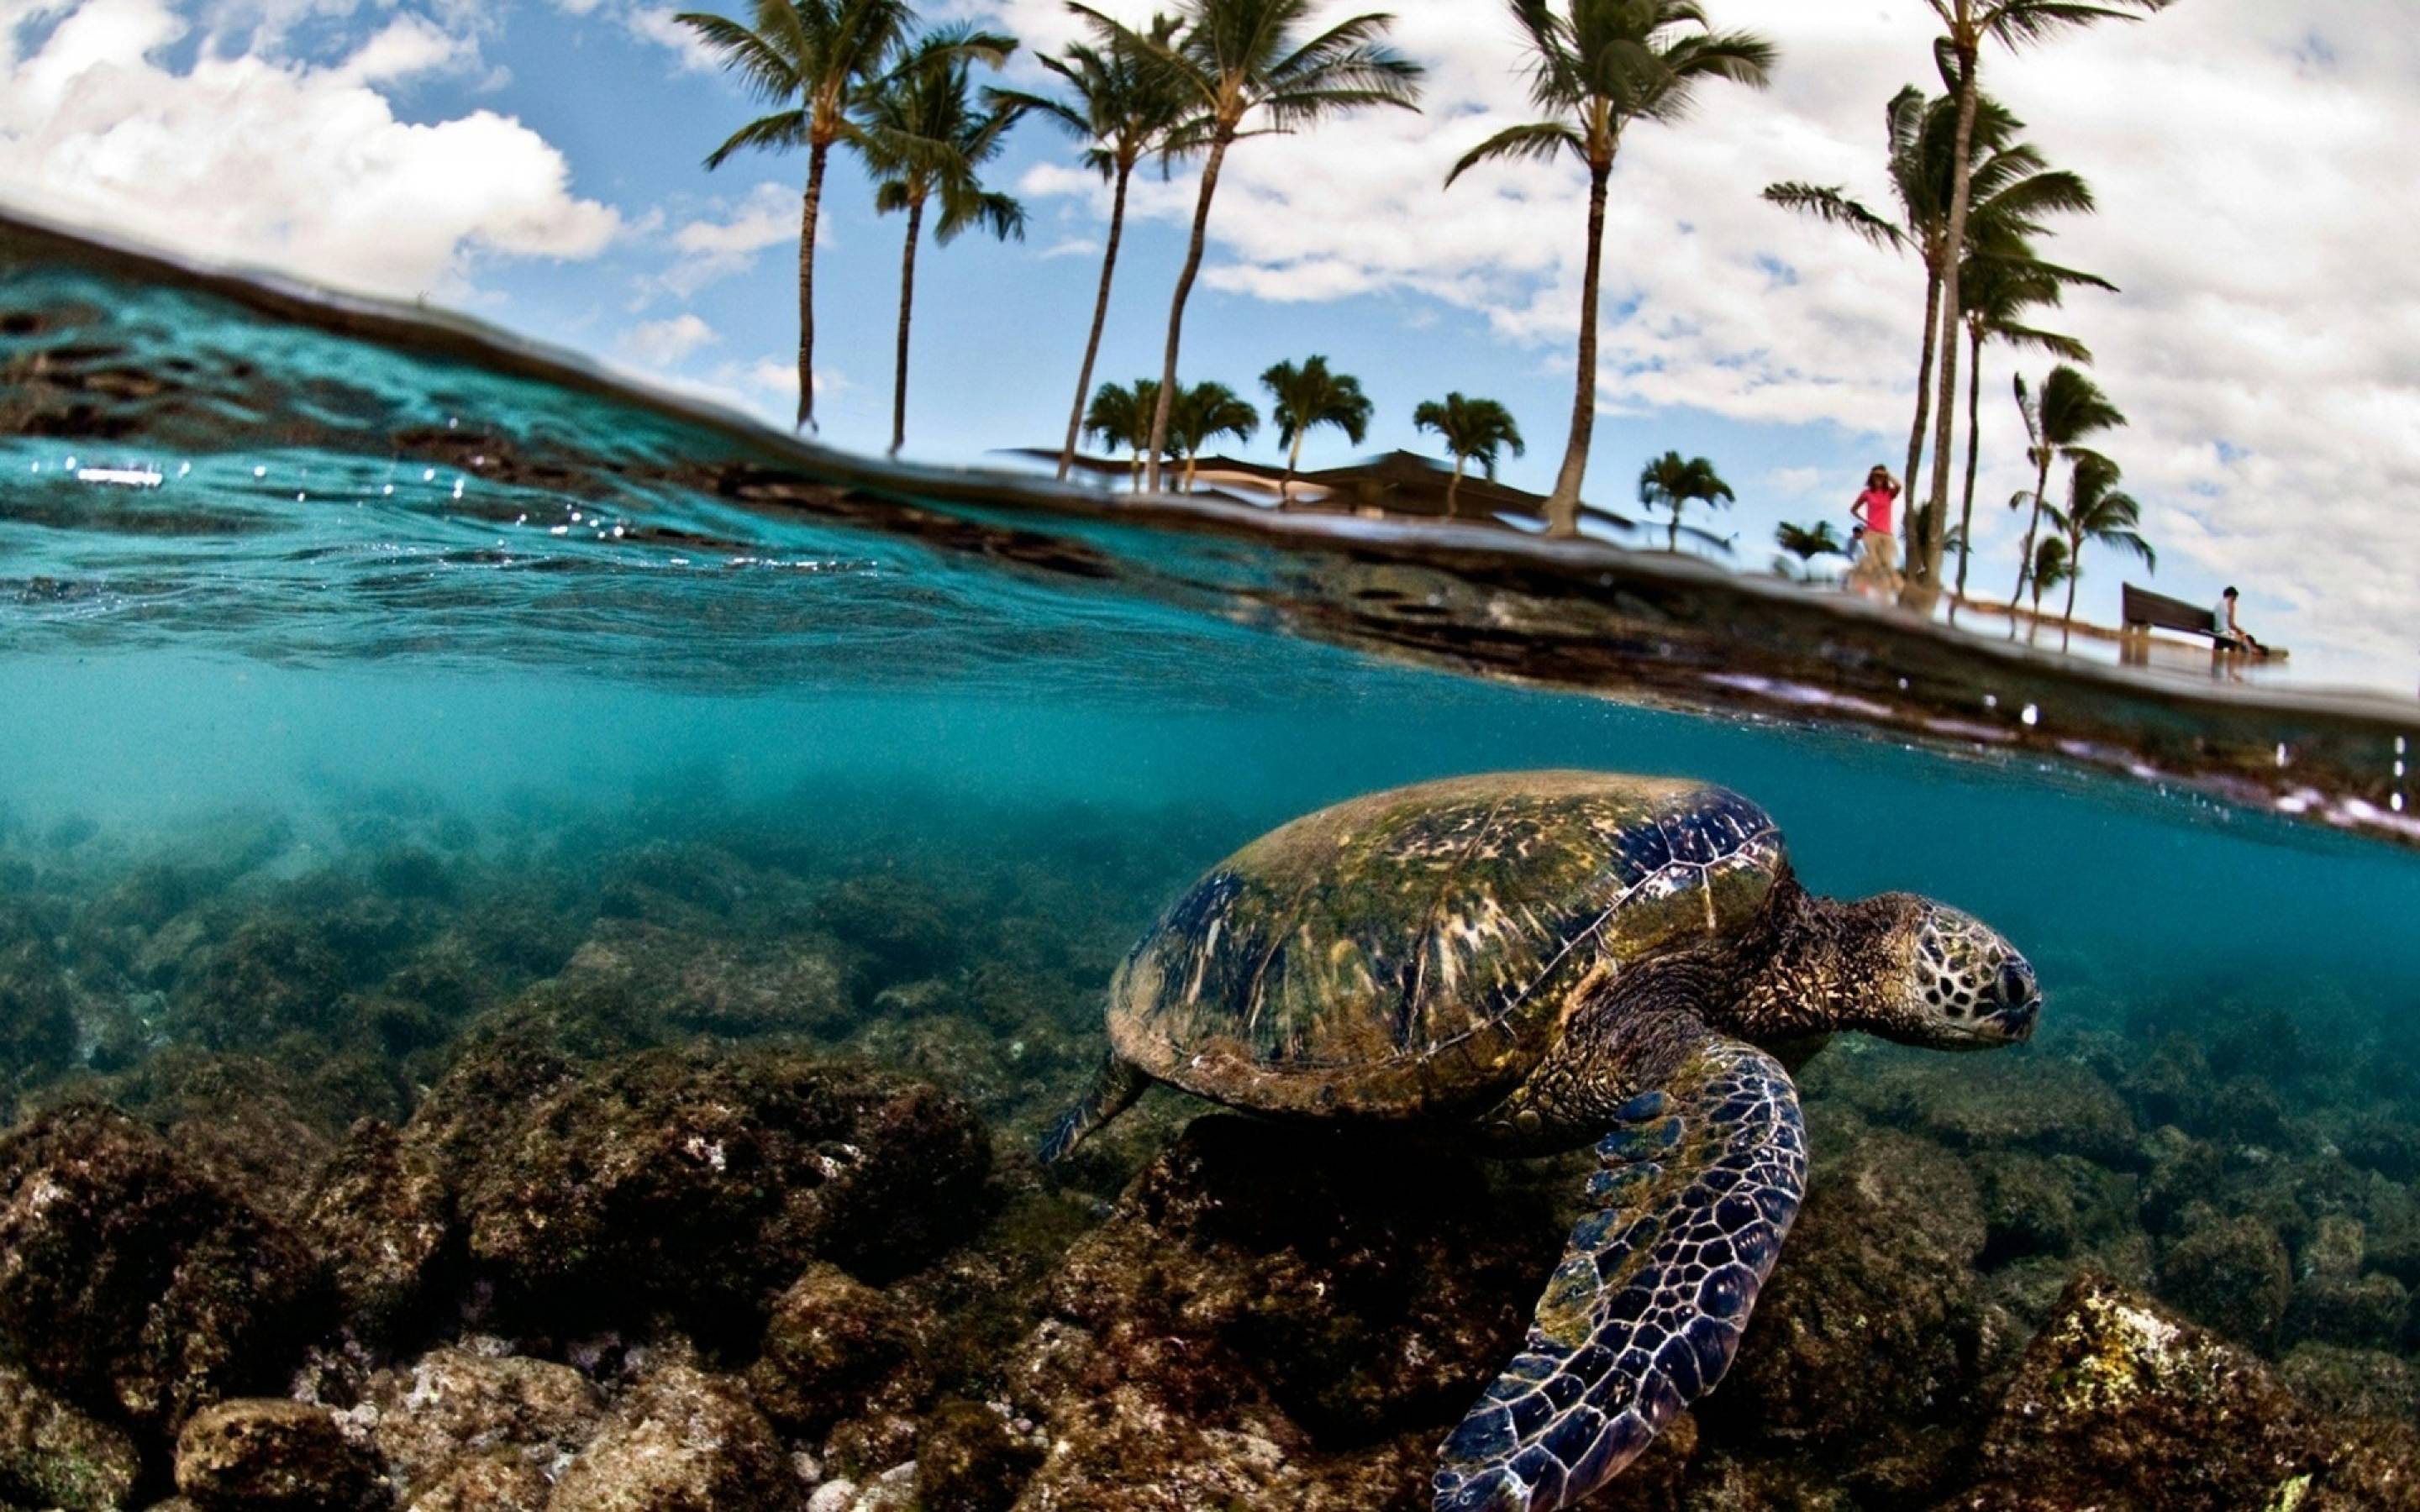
[(397, 632)]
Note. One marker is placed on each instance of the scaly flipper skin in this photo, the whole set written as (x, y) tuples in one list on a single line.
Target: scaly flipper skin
[(1114, 1090), (1700, 1184)]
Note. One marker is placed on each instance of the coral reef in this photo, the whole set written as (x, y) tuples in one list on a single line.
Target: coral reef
[(632, 1164)]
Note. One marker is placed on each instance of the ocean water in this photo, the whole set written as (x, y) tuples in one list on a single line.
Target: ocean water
[(366, 638)]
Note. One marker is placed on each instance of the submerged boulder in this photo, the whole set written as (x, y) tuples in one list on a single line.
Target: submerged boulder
[(269, 1455), (2119, 1403), (131, 1282), (463, 1420), (694, 1180), (53, 1455), (681, 1440)]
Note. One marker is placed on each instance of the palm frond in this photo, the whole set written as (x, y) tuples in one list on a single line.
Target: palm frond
[(1833, 206), (1538, 141)]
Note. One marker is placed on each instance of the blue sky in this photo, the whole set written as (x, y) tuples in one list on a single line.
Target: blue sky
[(538, 163)]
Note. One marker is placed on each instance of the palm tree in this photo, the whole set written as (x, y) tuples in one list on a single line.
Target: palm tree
[(2050, 566), (1805, 543), (924, 140), (1998, 290), (1670, 482), (1242, 62), (2069, 410), (2011, 187), (1306, 397), (2096, 511), (1203, 411), (1967, 25), (1119, 100), (1473, 430), (1598, 67), (1121, 417), (809, 57)]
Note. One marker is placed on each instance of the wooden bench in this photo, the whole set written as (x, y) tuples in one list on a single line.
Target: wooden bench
[(2144, 611)]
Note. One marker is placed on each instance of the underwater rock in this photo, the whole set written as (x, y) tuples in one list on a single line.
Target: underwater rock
[(896, 923), (830, 1341), (380, 1215), (273, 975), (53, 1455), (970, 1459), (695, 1180), (681, 1440), (461, 1427), (2231, 1274), (2119, 1403), (1874, 1333), (1276, 1317), (2360, 1311), (270, 1454), (38, 1024), (2340, 1382), (131, 1282), (2028, 1206), (2022, 1102)]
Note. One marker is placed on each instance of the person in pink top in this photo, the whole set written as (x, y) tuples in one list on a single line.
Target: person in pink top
[(1877, 568)]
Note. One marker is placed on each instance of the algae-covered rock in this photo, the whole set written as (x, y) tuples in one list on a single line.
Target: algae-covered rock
[(273, 975), (2021, 1102), (466, 1418), (1873, 1331), (699, 1181), (2119, 1403), (129, 1281), (37, 1025), (681, 1440), (53, 1455), (830, 1341), (2232, 1275), (381, 1217), (970, 1459), (2336, 1381), (269, 1455)]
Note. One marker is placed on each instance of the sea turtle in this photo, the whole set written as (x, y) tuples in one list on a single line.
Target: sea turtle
[(1536, 960)]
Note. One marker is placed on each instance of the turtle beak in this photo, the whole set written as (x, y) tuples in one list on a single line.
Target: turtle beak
[(2016, 1024)]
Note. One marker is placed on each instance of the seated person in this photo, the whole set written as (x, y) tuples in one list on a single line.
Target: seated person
[(2232, 636)]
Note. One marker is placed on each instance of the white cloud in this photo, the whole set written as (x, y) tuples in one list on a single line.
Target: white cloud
[(1072, 247), (254, 158), (665, 342), (716, 249), (2249, 162), (657, 24)]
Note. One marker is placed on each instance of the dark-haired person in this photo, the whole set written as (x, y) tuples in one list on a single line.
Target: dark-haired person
[(1878, 563), (2232, 636)]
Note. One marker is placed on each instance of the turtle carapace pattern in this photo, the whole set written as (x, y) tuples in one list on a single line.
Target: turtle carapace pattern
[(1540, 961)]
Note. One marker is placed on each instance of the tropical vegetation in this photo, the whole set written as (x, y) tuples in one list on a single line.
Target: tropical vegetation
[(1598, 67), (1202, 412), (1120, 419), (2099, 514), (1305, 397), (1966, 27), (2067, 411), (809, 57), (1670, 482), (924, 140), (1246, 68), (1117, 99), (1804, 545), (1473, 430)]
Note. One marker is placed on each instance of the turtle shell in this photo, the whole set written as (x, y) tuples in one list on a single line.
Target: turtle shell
[(1413, 950)]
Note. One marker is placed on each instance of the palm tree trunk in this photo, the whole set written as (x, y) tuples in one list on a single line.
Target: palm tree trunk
[(1294, 465), (810, 208), (1974, 458), (1192, 460), (1923, 408), (1453, 489), (2033, 528), (1100, 318), (1176, 307), (1673, 543), (1924, 577), (2074, 560), (907, 308), (1137, 470), (1564, 504)]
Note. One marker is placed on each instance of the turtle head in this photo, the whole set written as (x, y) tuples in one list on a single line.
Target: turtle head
[(1949, 981)]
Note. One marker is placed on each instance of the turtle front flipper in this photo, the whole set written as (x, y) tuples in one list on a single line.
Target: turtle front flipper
[(1114, 1090), (1699, 1182)]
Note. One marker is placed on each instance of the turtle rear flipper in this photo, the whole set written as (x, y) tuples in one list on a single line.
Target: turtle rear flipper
[(1114, 1090), (1699, 1182)]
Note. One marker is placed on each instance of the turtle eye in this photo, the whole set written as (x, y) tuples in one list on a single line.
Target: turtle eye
[(2016, 985)]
